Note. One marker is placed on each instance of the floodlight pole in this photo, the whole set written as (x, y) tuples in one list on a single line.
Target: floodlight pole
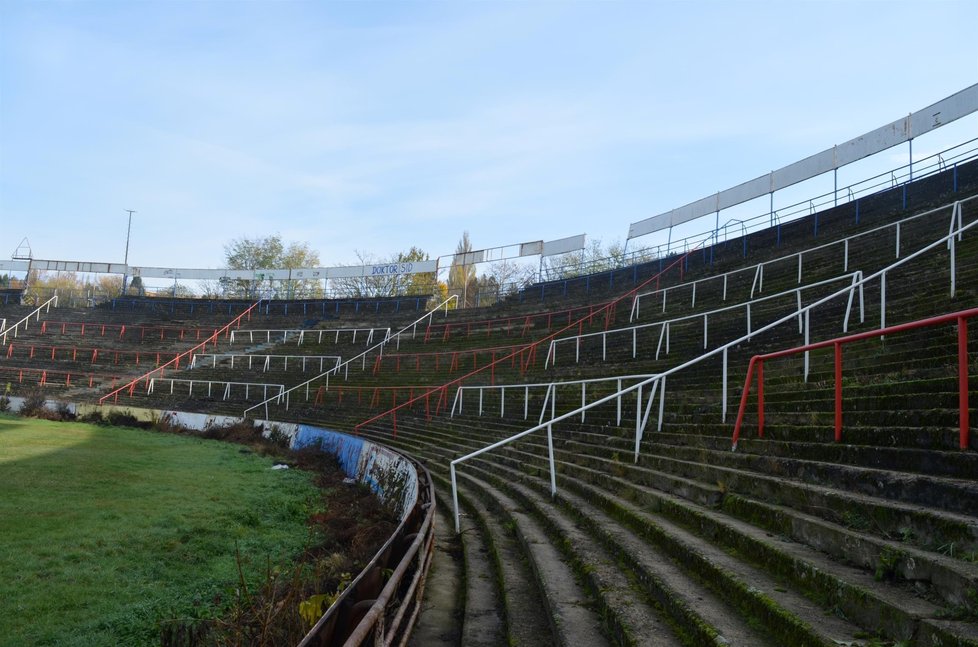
[(126, 260)]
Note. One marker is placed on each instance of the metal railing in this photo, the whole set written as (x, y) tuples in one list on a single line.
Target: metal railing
[(757, 363), (302, 333), (35, 313), (797, 257), (266, 363), (175, 362), (901, 175), (88, 354), (103, 327), (394, 609), (664, 326), (379, 347), (549, 397), (658, 382), (225, 391), (526, 354), (45, 376)]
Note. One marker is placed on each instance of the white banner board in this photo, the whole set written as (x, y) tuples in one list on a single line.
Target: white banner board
[(954, 107), (564, 245)]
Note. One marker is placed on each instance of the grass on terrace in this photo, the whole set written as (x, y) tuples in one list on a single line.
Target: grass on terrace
[(105, 531)]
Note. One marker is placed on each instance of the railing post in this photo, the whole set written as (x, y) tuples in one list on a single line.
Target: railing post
[(723, 392), (760, 398), (953, 266), (553, 471), (618, 404), (963, 381), (838, 391), (583, 400), (662, 400), (455, 498), (808, 330), (882, 302)]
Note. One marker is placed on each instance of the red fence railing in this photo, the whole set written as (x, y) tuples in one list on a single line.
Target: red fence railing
[(175, 362), (757, 362)]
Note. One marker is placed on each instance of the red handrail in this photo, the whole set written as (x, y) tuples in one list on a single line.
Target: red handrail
[(176, 360), (451, 325), (961, 318), (529, 348)]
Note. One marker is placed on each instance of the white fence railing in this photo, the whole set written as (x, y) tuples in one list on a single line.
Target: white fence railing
[(549, 397), (665, 326), (379, 347), (312, 361), (658, 382), (301, 335), (948, 159), (227, 389), (25, 322), (757, 285)]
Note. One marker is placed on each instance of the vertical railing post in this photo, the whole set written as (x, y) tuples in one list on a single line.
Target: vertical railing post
[(455, 497), (808, 329), (553, 470), (838, 391), (723, 392), (618, 404), (953, 266), (760, 398), (662, 400), (963, 381)]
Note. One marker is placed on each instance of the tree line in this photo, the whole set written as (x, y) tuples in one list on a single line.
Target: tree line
[(464, 279)]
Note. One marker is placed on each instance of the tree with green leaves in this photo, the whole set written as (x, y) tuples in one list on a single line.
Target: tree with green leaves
[(462, 274), (387, 285), (266, 254)]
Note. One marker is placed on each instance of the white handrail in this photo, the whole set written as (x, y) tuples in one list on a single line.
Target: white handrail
[(552, 351), (36, 313), (151, 387), (658, 381), (550, 386), (759, 267), (301, 333), (379, 347), (266, 364)]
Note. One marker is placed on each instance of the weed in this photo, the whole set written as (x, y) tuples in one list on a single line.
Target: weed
[(886, 567), (33, 405)]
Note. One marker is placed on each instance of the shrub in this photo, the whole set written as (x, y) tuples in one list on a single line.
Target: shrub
[(5, 399), (126, 419), (33, 405), (64, 411), (95, 418)]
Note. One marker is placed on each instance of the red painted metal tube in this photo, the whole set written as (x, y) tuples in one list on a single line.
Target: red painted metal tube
[(838, 392), (743, 401), (760, 398), (963, 381), (960, 318)]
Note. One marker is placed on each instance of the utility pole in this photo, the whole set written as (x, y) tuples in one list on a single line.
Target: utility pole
[(125, 274)]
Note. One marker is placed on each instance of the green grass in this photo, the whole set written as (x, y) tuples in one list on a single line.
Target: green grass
[(105, 531)]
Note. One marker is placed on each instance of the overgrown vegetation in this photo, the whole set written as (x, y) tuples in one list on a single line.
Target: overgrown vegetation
[(115, 536)]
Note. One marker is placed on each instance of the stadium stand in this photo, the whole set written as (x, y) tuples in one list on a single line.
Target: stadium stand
[(625, 517)]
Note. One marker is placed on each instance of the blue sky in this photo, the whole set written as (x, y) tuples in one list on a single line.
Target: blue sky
[(375, 126)]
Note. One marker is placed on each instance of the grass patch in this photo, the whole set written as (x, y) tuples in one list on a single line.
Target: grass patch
[(106, 531)]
